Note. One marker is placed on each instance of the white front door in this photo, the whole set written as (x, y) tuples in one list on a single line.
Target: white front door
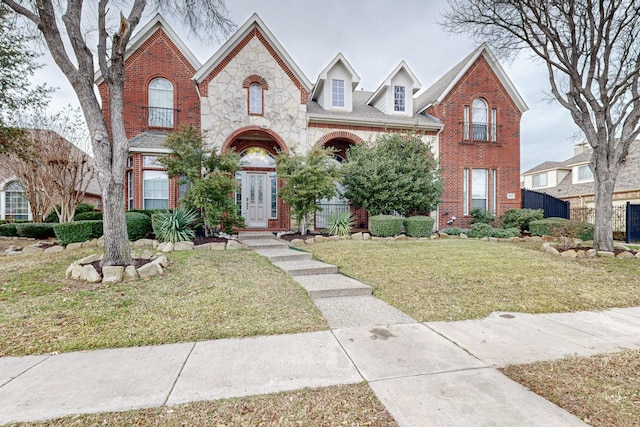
[(256, 199)]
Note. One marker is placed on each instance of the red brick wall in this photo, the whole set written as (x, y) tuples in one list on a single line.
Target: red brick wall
[(455, 154), (157, 57)]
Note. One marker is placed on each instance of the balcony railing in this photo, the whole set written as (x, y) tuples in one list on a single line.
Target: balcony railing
[(158, 117), (480, 132)]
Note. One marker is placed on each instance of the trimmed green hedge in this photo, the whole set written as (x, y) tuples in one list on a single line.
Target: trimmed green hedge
[(8, 230), (505, 233), (561, 226), (138, 225), (521, 218), (480, 230), (385, 225), (35, 230), (78, 231), (455, 231), (88, 216), (147, 212), (419, 226)]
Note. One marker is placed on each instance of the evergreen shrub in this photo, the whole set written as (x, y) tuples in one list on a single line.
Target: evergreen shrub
[(77, 231), (419, 226), (35, 230), (385, 225)]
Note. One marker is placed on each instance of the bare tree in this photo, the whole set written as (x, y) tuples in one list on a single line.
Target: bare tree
[(109, 141), (592, 52)]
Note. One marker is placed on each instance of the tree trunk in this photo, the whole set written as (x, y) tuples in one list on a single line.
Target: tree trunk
[(603, 230)]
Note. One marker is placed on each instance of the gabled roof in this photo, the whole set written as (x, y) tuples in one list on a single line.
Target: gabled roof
[(149, 142), (387, 82), (436, 93), (546, 166), (322, 77), (158, 22), (254, 22)]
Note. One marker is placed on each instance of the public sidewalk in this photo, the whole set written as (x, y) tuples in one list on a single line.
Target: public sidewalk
[(436, 374)]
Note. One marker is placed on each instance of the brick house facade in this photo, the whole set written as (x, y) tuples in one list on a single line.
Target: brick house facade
[(250, 96)]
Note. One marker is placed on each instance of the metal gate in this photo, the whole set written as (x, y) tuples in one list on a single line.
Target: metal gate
[(633, 222)]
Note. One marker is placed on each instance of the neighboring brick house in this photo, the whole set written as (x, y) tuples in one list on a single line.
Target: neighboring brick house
[(572, 180), (251, 96)]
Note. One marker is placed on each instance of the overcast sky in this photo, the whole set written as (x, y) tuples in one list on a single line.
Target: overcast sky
[(374, 36)]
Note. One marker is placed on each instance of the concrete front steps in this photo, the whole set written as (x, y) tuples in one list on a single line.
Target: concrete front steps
[(258, 240), (306, 267), (332, 285)]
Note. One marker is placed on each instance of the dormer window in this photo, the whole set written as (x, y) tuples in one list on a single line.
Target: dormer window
[(584, 173), (161, 103), (255, 99), (337, 93), (399, 98)]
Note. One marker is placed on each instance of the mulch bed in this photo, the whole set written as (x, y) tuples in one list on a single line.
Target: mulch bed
[(616, 251), (136, 262), (290, 237), (203, 240)]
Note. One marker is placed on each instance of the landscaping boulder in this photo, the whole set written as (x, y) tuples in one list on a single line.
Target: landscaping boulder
[(168, 247), (88, 259), (74, 271), (161, 260), (232, 245), (320, 239), (551, 250), (54, 249), (310, 240), (142, 242), (183, 246), (112, 274), (624, 255), (357, 236), (297, 242), (217, 246), (148, 270), (75, 245), (146, 254), (400, 237), (90, 274), (130, 273), (366, 236), (569, 254), (90, 243), (29, 250), (204, 247), (605, 254)]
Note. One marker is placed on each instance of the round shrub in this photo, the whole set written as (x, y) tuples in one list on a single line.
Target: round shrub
[(88, 216), (138, 225), (480, 230), (83, 208), (385, 225), (77, 231), (455, 231), (8, 230), (35, 230), (521, 218), (505, 233), (419, 226)]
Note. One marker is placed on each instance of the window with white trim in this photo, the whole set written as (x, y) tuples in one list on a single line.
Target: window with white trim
[(161, 103), (130, 190), (465, 192), (466, 123), (399, 101), (16, 205), (584, 173), (155, 189), (479, 120), (337, 93), (494, 126), (539, 180), (255, 99), (479, 187)]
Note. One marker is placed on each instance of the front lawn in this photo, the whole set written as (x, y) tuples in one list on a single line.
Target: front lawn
[(457, 279), (203, 295)]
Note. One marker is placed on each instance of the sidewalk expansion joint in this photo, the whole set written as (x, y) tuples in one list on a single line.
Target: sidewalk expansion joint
[(26, 370), (348, 355), (431, 374), (453, 342), (184, 363)]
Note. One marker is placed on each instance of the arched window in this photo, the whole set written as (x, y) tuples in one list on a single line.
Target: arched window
[(257, 157), (161, 103), (255, 99), (16, 205), (479, 120)]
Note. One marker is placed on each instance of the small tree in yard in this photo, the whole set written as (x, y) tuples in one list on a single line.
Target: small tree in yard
[(397, 173), (308, 179), (592, 52), (210, 178)]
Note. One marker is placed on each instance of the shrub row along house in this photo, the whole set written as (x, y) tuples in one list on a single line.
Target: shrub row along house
[(250, 96)]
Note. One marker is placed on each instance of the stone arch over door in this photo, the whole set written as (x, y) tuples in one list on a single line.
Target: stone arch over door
[(340, 141), (250, 136)]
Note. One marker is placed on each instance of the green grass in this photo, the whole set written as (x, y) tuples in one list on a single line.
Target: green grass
[(349, 405), (203, 295), (456, 279), (602, 390)]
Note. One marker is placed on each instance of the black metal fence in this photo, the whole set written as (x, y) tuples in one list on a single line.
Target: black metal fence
[(632, 216), (551, 206), (589, 215), (329, 209)]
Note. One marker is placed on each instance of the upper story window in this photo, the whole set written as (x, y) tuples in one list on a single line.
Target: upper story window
[(16, 205), (255, 99), (161, 103), (539, 180), (151, 161), (585, 173), (479, 120), (399, 98), (337, 93)]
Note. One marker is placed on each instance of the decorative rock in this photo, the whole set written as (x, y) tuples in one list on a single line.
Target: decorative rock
[(168, 247), (72, 246), (493, 239), (54, 249), (142, 242), (536, 238), (217, 246), (638, 255), (90, 244), (10, 248), (148, 270), (161, 246), (101, 242), (146, 254), (183, 246), (551, 250), (204, 247), (463, 236), (625, 255), (347, 237), (366, 236), (158, 266), (547, 238), (156, 244), (443, 235), (357, 236), (377, 238), (90, 274), (28, 250), (582, 254), (605, 254), (297, 242), (87, 260), (401, 237), (309, 241), (232, 245), (320, 239), (130, 273), (621, 246), (591, 253), (434, 236), (161, 261), (112, 274), (569, 254), (334, 238)]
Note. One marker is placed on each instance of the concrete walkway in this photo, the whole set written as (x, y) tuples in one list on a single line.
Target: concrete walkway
[(435, 374)]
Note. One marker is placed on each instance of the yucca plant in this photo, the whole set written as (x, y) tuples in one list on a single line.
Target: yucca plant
[(340, 223), (174, 226)]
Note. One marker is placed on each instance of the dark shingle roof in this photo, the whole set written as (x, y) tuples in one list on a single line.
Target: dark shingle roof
[(148, 140)]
